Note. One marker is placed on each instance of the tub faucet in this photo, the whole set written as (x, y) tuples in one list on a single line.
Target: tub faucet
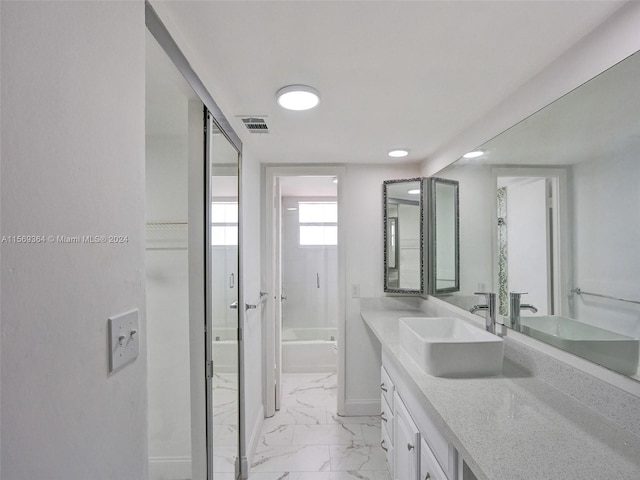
[(490, 306), (514, 309)]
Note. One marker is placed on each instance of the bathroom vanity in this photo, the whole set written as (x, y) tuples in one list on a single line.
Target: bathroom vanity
[(511, 425)]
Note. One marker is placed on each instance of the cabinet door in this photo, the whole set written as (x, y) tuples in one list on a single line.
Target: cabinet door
[(387, 386), (406, 443), (429, 466)]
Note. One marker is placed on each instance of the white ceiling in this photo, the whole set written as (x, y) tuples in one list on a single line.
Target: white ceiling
[(390, 73)]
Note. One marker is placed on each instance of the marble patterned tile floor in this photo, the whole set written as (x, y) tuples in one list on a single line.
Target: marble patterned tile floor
[(307, 440)]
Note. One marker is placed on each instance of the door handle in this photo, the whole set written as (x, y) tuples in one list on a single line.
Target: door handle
[(317, 280), (232, 280)]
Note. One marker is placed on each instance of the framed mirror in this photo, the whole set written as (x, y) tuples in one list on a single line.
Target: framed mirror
[(444, 236), (403, 221), (551, 208)]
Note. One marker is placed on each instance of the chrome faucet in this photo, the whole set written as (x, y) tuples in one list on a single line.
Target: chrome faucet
[(490, 306), (514, 309)]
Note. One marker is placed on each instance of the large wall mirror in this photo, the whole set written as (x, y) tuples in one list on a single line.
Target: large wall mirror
[(403, 202), (552, 208)]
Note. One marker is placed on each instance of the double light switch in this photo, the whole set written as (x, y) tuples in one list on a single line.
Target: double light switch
[(124, 343)]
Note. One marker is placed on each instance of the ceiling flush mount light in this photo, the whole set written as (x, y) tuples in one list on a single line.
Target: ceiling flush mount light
[(414, 192), (474, 154), (298, 97), (398, 152)]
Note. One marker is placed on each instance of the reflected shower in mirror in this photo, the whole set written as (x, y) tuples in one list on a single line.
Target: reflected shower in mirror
[(403, 236), (551, 209)]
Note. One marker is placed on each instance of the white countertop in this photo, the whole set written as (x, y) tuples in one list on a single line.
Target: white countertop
[(515, 426)]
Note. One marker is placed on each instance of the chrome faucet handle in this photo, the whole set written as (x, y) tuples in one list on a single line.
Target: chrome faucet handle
[(487, 295)]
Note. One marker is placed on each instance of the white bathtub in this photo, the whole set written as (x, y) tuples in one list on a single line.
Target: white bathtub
[(309, 350), (225, 350)]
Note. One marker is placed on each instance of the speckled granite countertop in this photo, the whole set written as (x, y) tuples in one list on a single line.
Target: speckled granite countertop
[(515, 426)]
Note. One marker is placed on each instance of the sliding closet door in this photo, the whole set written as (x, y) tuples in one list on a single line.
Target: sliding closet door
[(175, 286), (222, 305), (192, 276)]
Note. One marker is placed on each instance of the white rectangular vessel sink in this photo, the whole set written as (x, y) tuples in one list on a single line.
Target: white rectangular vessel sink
[(612, 350), (450, 347)]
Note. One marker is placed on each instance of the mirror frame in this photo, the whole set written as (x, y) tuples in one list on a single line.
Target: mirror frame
[(387, 288), (433, 244)]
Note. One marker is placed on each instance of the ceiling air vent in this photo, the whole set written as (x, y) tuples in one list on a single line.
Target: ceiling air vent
[(256, 124)]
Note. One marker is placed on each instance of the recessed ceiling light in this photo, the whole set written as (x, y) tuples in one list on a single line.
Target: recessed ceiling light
[(292, 209), (298, 97), (414, 192), (398, 152), (335, 180), (474, 154)]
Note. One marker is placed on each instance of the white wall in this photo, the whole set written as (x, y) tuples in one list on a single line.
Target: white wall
[(361, 196), (606, 261), (72, 163), (250, 198)]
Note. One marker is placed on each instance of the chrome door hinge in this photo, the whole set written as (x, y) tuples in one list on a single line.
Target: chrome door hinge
[(209, 369)]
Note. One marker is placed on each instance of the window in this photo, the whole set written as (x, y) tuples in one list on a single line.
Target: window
[(318, 223), (224, 223)]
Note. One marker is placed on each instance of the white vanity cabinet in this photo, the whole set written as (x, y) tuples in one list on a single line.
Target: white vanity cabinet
[(406, 443), (416, 449), (429, 467), (387, 418)]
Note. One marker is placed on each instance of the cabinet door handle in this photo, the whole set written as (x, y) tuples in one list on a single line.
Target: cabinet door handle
[(383, 447), (383, 418), (383, 388), (409, 447), (428, 476)]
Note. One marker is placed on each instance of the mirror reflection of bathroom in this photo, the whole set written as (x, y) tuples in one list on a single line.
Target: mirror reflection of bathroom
[(224, 299), (527, 244), (579, 250), (309, 269), (403, 233)]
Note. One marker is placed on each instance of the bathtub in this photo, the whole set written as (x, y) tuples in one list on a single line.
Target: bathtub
[(309, 350), (225, 350)]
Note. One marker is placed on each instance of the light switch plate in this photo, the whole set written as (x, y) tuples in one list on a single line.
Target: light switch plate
[(124, 343)]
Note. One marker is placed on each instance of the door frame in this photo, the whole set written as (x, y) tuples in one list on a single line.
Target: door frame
[(271, 276)]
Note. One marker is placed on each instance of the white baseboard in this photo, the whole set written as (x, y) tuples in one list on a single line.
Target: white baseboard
[(361, 407), (169, 467)]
